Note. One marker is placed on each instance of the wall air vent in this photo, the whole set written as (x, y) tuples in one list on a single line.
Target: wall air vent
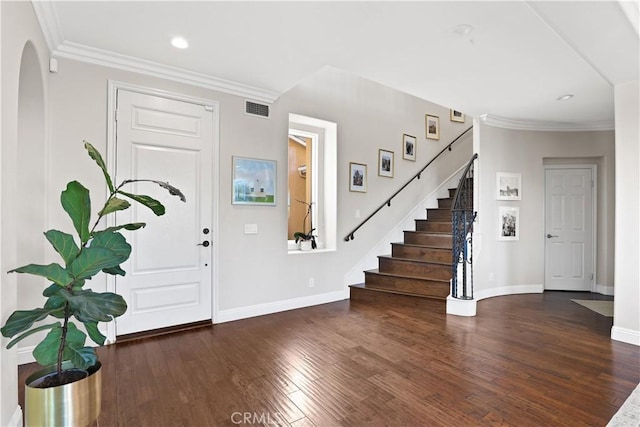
[(255, 109)]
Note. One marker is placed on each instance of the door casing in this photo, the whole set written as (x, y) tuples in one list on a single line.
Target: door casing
[(113, 87), (594, 209)]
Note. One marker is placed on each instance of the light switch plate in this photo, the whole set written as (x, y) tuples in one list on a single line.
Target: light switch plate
[(251, 229)]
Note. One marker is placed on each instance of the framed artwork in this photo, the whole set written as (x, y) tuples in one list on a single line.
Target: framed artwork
[(508, 186), (357, 177), (508, 223), (456, 116), (385, 163), (432, 124), (254, 182), (409, 147)]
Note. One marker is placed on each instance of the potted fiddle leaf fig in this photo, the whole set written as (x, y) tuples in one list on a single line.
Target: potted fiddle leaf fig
[(72, 369), (307, 239)]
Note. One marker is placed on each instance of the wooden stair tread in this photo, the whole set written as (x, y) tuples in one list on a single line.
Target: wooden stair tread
[(388, 291), (437, 233), (404, 276), (422, 246), (419, 261)]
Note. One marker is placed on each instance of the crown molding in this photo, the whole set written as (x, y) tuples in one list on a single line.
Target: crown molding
[(124, 62), (50, 25), (519, 124)]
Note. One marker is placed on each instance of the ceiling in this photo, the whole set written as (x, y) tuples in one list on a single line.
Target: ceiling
[(513, 65)]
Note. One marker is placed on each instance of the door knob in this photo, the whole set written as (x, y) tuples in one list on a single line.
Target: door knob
[(205, 243), (205, 230), (550, 236)]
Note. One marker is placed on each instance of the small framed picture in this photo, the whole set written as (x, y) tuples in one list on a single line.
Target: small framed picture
[(409, 147), (508, 223), (432, 124), (508, 186), (456, 116), (357, 177), (254, 182), (385, 163)]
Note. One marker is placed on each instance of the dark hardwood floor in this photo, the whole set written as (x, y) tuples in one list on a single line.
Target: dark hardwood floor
[(524, 360)]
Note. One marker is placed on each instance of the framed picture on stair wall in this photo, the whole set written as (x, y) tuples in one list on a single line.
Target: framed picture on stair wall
[(508, 186), (357, 177), (385, 163), (432, 125), (409, 147), (508, 223)]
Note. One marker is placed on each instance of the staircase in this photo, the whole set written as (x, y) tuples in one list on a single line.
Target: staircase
[(418, 270)]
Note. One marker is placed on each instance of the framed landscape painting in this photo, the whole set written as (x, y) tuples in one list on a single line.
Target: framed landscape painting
[(508, 186), (254, 182)]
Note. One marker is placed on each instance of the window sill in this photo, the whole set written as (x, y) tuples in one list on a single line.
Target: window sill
[(312, 251)]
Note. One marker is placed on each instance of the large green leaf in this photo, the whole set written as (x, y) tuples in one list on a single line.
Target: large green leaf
[(89, 306), (95, 155), (76, 202), (150, 202), (21, 320), (82, 357), (92, 260), (130, 227), (113, 241), (64, 244), (51, 290), (114, 204), (94, 332), (29, 333), (46, 352), (114, 271), (53, 272)]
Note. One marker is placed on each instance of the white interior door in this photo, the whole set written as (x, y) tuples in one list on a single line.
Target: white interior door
[(569, 229), (169, 278)]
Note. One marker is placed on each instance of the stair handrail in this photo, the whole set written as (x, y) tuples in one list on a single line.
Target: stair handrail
[(351, 234), (462, 218)]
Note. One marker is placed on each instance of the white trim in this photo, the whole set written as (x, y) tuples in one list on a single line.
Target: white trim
[(113, 87), (278, 306), (49, 23), (16, 418), (52, 31), (625, 335), (25, 355), (594, 214), (508, 290), (605, 289), (516, 124), (106, 58), (461, 307)]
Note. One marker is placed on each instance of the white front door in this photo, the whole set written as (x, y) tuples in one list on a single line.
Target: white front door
[(568, 229), (169, 277)]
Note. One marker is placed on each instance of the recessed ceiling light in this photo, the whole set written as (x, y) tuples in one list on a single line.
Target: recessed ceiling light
[(565, 97), (179, 42), (462, 30)]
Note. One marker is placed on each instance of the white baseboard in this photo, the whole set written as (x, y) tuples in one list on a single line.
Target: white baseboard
[(625, 335), (461, 307), (508, 290), (278, 306), (604, 289), (25, 355), (16, 418)]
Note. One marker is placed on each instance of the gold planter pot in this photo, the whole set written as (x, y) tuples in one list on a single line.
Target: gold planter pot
[(75, 404)]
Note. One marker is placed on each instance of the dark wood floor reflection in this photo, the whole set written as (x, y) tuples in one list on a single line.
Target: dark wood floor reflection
[(525, 360)]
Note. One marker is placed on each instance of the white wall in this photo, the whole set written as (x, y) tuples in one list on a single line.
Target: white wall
[(512, 267), (18, 26), (369, 116), (626, 321)]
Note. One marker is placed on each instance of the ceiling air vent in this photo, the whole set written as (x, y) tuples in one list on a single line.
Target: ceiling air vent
[(255, 109)]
